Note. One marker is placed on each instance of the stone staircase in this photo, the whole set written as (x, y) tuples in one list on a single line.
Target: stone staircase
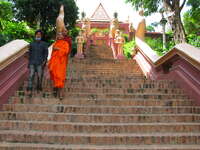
[(109, 105)]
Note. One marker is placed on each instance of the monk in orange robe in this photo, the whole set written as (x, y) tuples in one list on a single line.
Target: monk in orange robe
[(58, 64)]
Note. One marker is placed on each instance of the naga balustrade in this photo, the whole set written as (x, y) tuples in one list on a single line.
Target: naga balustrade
[(13, 68), (181, 64)]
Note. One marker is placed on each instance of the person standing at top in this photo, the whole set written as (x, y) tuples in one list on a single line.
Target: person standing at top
[(38, 53)]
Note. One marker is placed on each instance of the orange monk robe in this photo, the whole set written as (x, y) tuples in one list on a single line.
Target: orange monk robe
[(58, 63)]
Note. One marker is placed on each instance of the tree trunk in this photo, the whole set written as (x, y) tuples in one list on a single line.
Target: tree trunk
[(177, 28), (38, 21), (176, 23)]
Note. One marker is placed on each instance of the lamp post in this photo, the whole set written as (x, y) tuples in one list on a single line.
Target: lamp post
[(163, 23)]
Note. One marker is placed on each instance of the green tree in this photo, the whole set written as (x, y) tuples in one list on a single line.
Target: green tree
[(150, 28), (43, 13), (172, 7), (6, 10), (191, 24), (10, 29), (191, 18), (5, 13)]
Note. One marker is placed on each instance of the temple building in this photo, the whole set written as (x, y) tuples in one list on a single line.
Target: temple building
[(100, 23), (101, 20)]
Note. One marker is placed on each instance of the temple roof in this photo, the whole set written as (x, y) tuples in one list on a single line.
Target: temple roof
[(100, 14)]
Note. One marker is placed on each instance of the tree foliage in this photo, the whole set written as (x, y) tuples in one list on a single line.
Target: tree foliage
[(150, 6), (191, 17), (191, 23), (45, 12), (128, 48), (6, 10), (157, 45), (150, 28), (15, 30), (11, 29), (173, 7)]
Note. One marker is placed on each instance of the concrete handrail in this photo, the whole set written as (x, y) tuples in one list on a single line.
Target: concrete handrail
[(11, 51), (146, 50), (13, 68), (190, 53), (181, 64), (184, 50)]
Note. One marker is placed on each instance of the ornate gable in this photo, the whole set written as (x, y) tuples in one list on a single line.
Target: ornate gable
[(100, 14)]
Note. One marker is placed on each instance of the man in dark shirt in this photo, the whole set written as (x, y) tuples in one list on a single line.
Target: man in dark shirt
[(38, 54)]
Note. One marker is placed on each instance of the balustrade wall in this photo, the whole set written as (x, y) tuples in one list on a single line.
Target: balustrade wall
[(13, 68), (181, 64)]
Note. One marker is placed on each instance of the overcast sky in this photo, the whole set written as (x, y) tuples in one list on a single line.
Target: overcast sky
[(124, 10)]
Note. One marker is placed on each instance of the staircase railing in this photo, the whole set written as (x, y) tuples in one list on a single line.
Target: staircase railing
[(13, 67), (181, 64)]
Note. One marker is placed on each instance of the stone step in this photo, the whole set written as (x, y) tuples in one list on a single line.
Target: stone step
[(107, 128), (104, 66), (105, 70), (123, 80), (129, 80), (34, 146), (122, 91), (115, 85), (112, 102), (100, 118), (86, 70), (99, 74), (102, 61), (130, 96), (101, 109), (92, 96), (137, 86), (102, 91), (98, 138), (134, 81)]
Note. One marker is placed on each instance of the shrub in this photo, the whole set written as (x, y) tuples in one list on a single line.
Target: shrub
[(157, 45), (125, 37), (194, 40), (128, 48)]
